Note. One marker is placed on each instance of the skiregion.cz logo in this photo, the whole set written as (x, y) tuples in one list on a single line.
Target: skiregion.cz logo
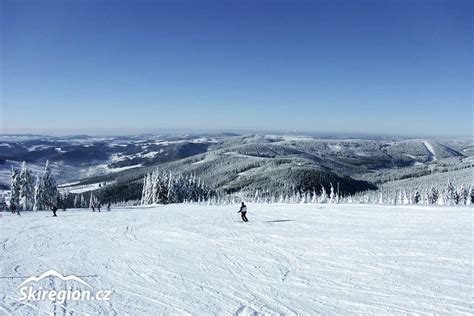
[(28, 292)]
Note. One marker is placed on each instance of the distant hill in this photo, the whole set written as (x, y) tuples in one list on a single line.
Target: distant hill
[(236, 163)]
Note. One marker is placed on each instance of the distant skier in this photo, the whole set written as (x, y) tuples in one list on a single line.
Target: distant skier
[(12, 208), (93, 208), (243, 212), (54, 209), (98, 206), (108, 207)]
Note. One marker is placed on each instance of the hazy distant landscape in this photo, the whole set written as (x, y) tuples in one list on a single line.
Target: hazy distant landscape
[(243, 163)]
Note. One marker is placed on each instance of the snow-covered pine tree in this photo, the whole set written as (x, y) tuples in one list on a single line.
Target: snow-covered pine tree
[(39, 199), (314, 198), (307, 197), (416, 197), (26, 188), (92, 201), (451, 194), (155, 188), (77, 201), (405, 198), (324, 196), (147, 197), (281, 199), (256, 197), (440, 200), (144, 190), (171, 193), (332, 195), (463, 195), (64, 200), (470, 196), (349, 199), (83, 202), (433, 196), (399, 199), (49, 185), (60, 201), (15, 188)]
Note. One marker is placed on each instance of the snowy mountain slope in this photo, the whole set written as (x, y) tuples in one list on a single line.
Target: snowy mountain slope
[(445, 168), (279, 163), (240, 171), (436, 180), (289, 259), (82, 156), (429, 147)]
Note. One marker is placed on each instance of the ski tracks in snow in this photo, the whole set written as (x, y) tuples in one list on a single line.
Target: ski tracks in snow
[(289, 259)]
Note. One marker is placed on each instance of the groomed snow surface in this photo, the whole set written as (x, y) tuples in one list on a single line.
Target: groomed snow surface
[(289, 259)]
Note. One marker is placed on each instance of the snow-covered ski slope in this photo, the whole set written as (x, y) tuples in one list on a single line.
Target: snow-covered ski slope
[(430, 148), (289, 259)]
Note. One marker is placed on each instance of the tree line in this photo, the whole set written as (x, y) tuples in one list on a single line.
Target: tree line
[(162, 187), (33, 193)]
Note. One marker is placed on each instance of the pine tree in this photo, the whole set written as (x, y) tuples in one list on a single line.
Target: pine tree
[(170, 195), (143, 199), (349, 199), (92, 201), (405, 198), (77, 201), (416, 197), (399, 198), (26, 188), (64, 200), (281, 199), (324, 196), (451, 194), (15, 188), (83, 202), (463, 195), (40, 198), (470, 196), (332, 195), (314, 199), (440, 200), (154, 189), (256, 197), (50, 186), (433, 196)]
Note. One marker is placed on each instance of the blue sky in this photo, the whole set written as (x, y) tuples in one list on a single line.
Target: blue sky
[(385, 67)]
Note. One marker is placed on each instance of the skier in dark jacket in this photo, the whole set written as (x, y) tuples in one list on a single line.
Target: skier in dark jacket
[(14, 209), (243, 212), (54, 209), (108, 206), (98, 206)]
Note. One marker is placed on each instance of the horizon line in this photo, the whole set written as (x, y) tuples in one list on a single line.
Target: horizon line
[(109, 132)]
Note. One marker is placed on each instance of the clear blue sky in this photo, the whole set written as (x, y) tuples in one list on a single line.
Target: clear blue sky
[(395, 67)]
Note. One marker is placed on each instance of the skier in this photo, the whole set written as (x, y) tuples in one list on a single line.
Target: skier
[(93, 208), (108, 207), (12, 208), (54, 209), (98, 206), (243, 212)]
